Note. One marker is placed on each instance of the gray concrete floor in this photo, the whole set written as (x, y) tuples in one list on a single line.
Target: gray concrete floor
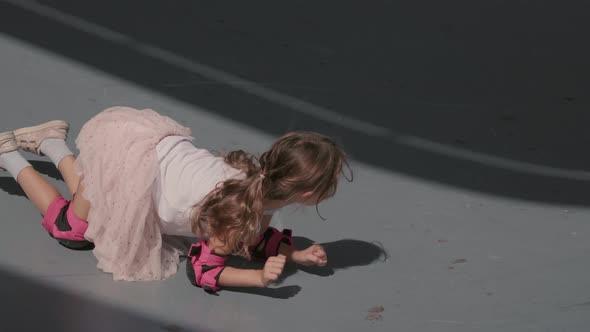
[(466, 124)]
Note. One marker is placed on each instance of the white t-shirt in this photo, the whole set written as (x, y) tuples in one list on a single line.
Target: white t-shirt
[(187, 175)]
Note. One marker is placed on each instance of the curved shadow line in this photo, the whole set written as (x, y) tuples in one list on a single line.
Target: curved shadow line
[(293, 103), (485, 172)]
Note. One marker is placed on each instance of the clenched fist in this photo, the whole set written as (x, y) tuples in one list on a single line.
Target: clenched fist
[(313, 255), (272, 269)]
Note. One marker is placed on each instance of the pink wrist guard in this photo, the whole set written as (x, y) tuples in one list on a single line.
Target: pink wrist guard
[(270, 242), (203, 267)]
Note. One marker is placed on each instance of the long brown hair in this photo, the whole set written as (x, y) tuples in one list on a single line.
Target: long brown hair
[(297, 162)]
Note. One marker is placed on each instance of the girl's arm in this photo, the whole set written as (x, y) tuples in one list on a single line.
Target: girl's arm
[(240, 278), (235, 277), (253, 278)]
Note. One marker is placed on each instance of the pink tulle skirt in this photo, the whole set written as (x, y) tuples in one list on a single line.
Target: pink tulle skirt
[(118, 166)]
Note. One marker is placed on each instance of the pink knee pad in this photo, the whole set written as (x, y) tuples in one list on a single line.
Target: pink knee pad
[(270, 242), (204, 267), (63, 225)]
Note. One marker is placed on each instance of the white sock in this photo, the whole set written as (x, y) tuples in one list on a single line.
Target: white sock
[(56, 149), (13, 162)]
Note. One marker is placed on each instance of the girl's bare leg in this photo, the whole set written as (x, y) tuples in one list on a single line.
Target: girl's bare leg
[(40, 192), (80, 205), (66, 168)]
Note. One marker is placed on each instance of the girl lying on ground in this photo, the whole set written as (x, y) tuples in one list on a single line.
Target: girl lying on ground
[(139, 176)]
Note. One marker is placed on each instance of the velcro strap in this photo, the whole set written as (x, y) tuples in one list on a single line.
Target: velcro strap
[(210, 278), (270, 242), (207, 265)]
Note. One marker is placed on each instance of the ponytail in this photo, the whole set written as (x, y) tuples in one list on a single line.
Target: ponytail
[(232, 211), (298, 162)]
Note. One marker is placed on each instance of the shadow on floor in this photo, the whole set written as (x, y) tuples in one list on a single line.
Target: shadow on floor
[(448, 96), (47, 168), (9, 185), (31, 306), (342, 254)]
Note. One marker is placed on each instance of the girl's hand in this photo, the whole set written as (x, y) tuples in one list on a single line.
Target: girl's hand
[(313, 255), (272, 269)]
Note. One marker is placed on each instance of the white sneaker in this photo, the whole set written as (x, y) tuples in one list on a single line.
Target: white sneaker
[(7, 142), (30, 138)]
